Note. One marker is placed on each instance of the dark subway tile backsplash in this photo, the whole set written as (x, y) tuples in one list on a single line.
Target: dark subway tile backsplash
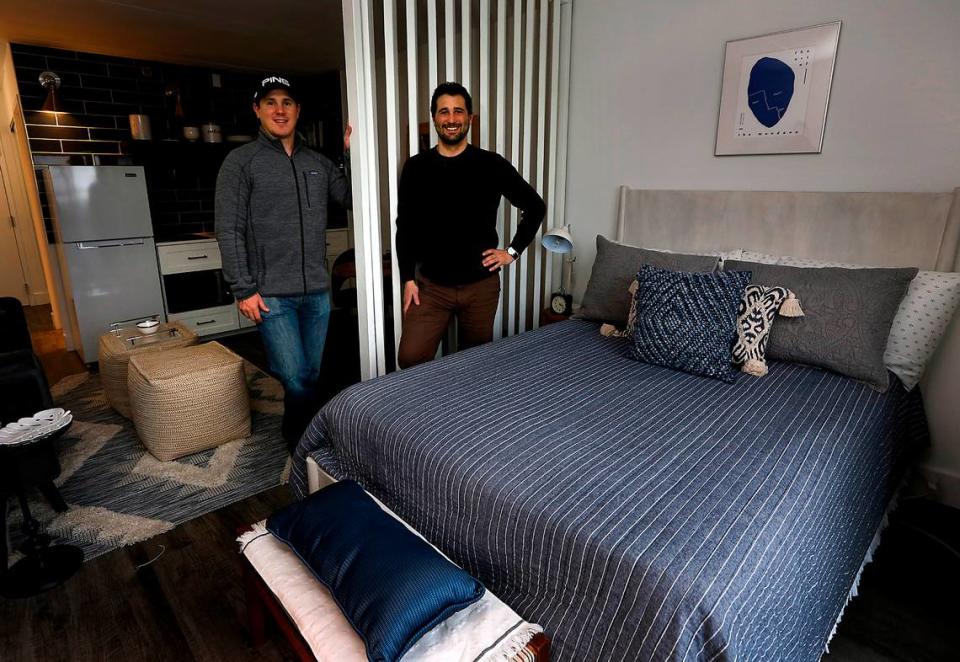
[(60, 132), (109, 134), (73, 65), (36, 103), (122, 70), (91, 121), (87, 94), (35, 118), (108, 82), (110, 108), (41, 145), (27, 62), (91, 147)]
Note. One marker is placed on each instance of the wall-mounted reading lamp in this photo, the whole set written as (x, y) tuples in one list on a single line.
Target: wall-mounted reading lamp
[(51, 82), (559, 240)]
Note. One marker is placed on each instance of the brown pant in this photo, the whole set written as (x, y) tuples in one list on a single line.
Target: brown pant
[(475, 306)]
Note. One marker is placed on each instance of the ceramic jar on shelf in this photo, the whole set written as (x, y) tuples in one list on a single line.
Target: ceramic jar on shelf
[(212, 133)]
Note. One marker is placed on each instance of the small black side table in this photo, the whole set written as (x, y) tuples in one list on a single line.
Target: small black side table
[(43, 566)]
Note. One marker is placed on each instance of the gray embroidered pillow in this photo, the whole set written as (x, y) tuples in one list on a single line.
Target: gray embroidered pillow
[(847, 317), (920, 322), (758, 308)]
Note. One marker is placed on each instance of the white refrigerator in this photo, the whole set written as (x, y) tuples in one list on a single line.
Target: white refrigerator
[(105, 248)]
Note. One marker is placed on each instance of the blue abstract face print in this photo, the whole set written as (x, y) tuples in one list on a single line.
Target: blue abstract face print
[(770, 90)]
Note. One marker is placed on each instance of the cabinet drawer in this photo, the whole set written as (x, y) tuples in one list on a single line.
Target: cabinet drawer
[(196, 256), (244, 322), (210, 320)]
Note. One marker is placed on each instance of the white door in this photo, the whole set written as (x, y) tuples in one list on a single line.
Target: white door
[(12, 281)]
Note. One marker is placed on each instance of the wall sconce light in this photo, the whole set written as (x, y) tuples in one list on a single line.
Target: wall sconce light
[(51, 82)]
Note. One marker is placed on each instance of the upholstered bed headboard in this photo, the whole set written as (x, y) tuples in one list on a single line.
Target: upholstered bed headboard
[(887, 229), (883, 229)]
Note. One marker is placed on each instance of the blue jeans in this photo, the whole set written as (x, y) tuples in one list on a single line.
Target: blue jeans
[(294, 332)]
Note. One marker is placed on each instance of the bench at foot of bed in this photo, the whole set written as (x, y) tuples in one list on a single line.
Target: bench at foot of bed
[(281, 590)]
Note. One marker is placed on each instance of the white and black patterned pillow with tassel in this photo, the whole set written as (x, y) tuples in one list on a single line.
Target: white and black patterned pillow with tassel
[(758, 308), (611, 331)]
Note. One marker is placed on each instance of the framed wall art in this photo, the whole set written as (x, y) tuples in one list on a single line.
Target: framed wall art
[(775, 93)]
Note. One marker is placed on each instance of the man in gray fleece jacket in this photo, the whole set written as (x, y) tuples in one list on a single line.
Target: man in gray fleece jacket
[(271, 221)]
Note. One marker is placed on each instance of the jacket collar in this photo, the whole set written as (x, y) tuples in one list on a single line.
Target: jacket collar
[(275, 143)]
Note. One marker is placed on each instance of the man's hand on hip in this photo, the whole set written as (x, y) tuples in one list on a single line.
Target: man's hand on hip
[(494, 258), (411, 294), (251, 307)]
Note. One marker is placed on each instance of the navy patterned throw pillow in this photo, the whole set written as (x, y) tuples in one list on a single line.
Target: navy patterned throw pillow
[(688, 321)]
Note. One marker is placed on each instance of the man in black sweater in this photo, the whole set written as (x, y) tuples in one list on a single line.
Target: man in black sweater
[(447, 225)]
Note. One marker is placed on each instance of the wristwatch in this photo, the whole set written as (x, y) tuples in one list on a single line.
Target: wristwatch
[(512, 253)]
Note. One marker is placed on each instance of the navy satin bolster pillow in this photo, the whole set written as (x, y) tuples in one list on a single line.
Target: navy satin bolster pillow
[(390, 584)]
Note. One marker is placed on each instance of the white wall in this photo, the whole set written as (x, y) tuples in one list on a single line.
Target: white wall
[(645, 92)]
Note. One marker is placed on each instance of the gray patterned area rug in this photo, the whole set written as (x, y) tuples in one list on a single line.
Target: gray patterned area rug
[(119, 494)]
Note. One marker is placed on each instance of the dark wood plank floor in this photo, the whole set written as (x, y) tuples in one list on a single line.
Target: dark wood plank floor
[(907, 608), (187, 604), (48, 344)]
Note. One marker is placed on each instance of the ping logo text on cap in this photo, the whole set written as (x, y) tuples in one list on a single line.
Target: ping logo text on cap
[(275, 79)]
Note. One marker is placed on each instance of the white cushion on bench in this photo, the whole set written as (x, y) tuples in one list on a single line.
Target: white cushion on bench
[(469, 634)]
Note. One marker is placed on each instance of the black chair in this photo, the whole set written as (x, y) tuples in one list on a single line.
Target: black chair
[(23, 392)]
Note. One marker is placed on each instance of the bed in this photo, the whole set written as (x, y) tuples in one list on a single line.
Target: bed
[(634, 511)]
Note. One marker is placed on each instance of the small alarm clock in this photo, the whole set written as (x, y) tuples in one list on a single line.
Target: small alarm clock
[(561, 303)]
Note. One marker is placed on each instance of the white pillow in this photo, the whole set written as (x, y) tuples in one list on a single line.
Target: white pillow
[(920, 322)]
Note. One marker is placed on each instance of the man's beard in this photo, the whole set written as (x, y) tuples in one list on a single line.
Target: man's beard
[(455, 139)]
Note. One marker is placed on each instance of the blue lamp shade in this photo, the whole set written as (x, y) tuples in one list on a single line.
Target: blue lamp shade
[(558, 240)]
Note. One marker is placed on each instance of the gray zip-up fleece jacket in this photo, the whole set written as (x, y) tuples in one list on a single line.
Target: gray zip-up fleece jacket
[(271, 217)]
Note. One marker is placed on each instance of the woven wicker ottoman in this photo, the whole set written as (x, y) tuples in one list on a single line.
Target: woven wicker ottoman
[(188, 400), (115, 351)]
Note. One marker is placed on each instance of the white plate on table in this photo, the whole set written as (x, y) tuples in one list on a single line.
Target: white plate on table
[(28, 429), (50, 415)]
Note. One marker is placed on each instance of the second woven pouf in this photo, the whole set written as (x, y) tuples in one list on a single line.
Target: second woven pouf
[(114, 357), (188, 400)]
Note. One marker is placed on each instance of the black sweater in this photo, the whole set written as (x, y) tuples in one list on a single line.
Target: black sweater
[(447, 213)]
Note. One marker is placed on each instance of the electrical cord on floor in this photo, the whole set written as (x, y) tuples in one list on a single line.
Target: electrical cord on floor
[(145, 564)]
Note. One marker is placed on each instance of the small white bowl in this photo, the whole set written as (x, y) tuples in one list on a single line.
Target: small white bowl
[(146, 327)]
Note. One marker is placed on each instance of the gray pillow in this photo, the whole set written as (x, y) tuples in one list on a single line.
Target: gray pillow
[(607, 298), (847, 316)]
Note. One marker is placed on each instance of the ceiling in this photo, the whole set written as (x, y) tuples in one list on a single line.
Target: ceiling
[(296, 36)]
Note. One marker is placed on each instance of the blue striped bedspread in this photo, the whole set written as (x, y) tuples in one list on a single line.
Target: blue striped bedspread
[(636, 512)]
